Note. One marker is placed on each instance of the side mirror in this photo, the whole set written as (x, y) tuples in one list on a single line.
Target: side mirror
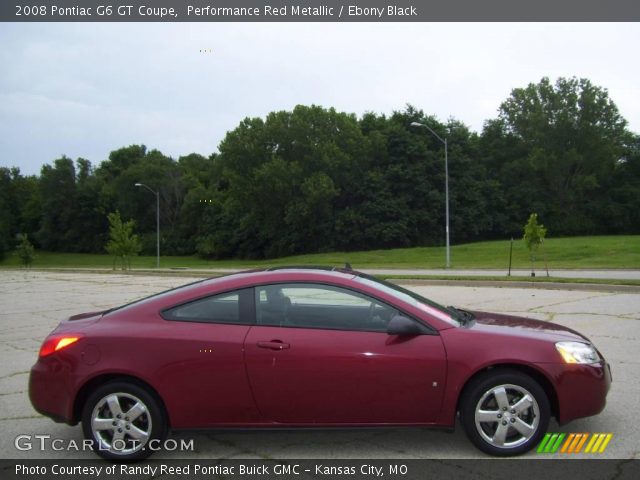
[(400, 325)]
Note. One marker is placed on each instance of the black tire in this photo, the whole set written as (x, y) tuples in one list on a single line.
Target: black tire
[(489, 394), (121, 438)]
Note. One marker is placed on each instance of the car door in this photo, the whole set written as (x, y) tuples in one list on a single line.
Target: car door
[(320, 354), (201, 375)]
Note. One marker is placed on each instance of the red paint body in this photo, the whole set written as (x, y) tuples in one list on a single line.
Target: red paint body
[(221, 375)]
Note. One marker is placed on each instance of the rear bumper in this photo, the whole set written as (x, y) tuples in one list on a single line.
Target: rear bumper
[(50, 391)]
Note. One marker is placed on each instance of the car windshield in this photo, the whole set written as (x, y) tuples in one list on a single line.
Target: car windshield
[(413, 298)]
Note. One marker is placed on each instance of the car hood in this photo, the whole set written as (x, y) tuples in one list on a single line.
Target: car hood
[(524, 327)]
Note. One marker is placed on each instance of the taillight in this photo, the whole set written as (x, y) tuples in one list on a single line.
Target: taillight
[(56, 343)]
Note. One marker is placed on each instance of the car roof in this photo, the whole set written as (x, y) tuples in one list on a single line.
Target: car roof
[(282, 273), (244, 279)]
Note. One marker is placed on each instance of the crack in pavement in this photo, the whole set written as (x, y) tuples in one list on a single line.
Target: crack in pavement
[(15, 374), (600, 295), (27, 417), (20, 349), (13, 393)]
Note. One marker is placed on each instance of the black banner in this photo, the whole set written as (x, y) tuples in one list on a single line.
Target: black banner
[(317, 10), (522, 469)]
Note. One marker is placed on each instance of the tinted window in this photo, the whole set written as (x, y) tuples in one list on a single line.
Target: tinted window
[(320, 306), (155, 296), (223, 308)]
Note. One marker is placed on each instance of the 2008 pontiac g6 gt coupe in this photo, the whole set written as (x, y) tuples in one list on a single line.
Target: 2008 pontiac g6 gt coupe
[(311, 347)]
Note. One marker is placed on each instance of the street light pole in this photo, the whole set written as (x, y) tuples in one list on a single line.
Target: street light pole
[(446, 196), (157, 194), (446, 186)]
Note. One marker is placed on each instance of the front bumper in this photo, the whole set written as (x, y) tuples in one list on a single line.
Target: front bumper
[(581, 389)]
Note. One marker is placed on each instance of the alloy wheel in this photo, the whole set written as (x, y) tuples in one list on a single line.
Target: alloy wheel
[(121, 423), (507, 416)]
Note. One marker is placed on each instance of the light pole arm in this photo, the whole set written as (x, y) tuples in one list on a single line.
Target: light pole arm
[(148, 188), (416, 124)]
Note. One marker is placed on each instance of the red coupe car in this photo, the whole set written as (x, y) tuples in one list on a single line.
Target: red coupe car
[(311, 347)]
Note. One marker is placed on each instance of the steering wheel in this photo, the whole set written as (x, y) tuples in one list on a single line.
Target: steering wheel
[(372, 310), (376, 321)]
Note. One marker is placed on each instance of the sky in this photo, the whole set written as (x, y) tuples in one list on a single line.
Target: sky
[(83, 90)]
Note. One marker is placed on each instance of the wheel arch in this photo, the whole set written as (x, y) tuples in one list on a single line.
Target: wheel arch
[(86, 389), (533, 372)]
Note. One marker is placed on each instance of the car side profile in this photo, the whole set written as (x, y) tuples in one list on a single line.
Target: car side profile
[(311, 347)]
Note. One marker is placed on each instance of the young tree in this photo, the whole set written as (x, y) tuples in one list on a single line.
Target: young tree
[(534, 234), (123, 243), (25, 250)]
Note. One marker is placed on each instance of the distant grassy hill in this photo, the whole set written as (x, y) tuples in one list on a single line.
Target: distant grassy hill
[(574, 252)]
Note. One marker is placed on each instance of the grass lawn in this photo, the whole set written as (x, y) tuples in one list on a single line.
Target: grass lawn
[(575, 252)]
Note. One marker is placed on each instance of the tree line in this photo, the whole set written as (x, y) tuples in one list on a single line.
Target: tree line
[(314, 179)]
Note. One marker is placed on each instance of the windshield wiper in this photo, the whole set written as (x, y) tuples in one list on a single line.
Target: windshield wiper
[(461, 315)]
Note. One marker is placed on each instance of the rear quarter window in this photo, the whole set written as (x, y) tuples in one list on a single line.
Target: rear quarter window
[(226, 307)]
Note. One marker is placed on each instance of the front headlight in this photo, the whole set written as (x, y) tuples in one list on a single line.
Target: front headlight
[(577, 352)]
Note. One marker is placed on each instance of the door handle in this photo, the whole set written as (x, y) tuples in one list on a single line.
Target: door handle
[(274, 345)]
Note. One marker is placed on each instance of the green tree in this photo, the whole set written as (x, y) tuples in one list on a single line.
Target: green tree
[(123, 243), (620, 209), (534, 235), (314, 179), (25, 250), (282, 181), (400, 198), (198, 175), (27, 205), (20, 209), (562, 142), (128, 166), (89, 222), (59, 230), (7, 219), (3, 246)]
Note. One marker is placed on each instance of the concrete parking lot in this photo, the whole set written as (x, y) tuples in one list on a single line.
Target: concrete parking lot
[(34, 302)]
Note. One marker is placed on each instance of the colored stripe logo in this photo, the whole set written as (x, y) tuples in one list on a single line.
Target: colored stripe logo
[(574, 443)]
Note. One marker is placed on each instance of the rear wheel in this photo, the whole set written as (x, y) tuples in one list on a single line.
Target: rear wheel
[(120, 419), (505, 412)]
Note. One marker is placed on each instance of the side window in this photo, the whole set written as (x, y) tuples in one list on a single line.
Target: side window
[(320, 306), (223, 308)]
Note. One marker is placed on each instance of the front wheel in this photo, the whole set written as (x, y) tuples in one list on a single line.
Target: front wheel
[(120, 419), (505, 412)]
